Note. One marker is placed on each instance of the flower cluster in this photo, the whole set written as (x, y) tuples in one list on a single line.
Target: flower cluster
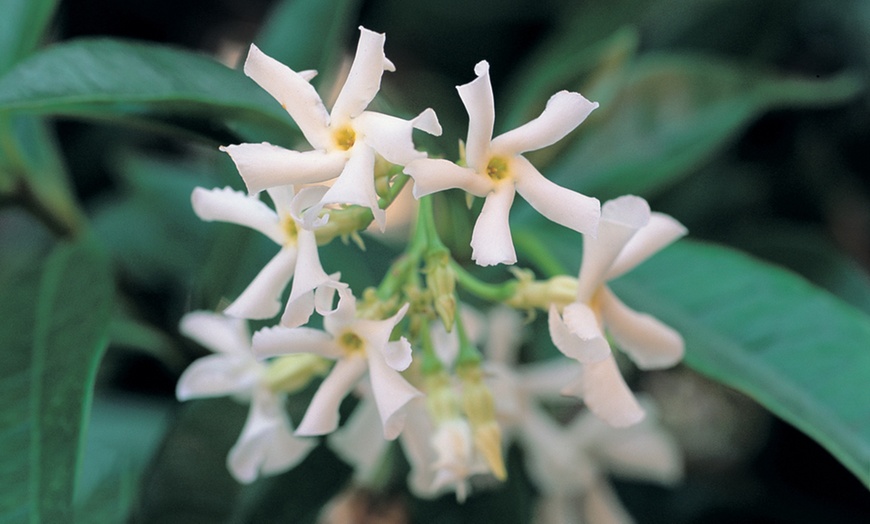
[(408, 347)]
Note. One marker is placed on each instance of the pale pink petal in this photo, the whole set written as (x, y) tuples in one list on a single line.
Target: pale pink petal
[(279, 340), (433, 175), (364, 79), (591, 344), (397, 354), (267, 445), (356, 184), (607, 395), (446, 345), (392, 394), (217, 332), (650, 343), (491, 241), (642, 452), (360, 441), (591, 349), (391, 137), (621, 218), (264, 165), (262, 298), (546, 379), (561, 205), (219, 376), (294, 93), (564, 112), (661, 231), (480, 105), (228, 205), (321, 417), (601, 504)]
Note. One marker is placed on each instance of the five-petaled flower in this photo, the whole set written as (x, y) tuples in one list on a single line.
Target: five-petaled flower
[(345, 140), (628, 234), (497, 170)]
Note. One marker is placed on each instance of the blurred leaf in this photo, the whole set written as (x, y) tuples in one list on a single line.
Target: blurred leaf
[(56, 314), (21, 28), (134, 82), (130, 333), (672, 114)]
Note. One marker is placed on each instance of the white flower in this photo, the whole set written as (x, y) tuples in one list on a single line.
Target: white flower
[(628, 234), (358, 345), (497, 170), (298, 258), (267, 444), (345, 140)]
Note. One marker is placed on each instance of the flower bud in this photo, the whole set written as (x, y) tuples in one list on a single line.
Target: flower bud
[(479, 407), (441, 281), (292, 373)]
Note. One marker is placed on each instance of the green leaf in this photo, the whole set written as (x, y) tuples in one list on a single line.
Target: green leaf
[(794, 348), (56, 314), (137, 82), (671, 115), (21, 27)]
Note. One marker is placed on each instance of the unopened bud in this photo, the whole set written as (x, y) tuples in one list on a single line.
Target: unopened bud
[(479, 407), (292, 373), (441, 281), (441, 400), (530, 293)]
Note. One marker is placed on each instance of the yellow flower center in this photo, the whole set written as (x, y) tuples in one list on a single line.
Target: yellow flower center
[(498, 168), (351, 343), (344, 137), (291, 230)]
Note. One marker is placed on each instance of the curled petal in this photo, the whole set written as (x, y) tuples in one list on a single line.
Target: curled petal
[(219, 376), (397, 354), (264, 165), (356, 184), (650, 343), (296, 95), (321, 417), (228, 205), (376, 333), (564, 112), (392, 394), (282, 197), (309, 275), (217, 332), (577, 335), (491, 241), (661, 231), (364, 79), (344, 314), (391, 137), (433, 175), (480, 105), (308, 198), (279, 340), (561, 205), (261, 299), (607, 395)]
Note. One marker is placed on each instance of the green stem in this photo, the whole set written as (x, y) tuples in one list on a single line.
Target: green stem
[(534, 249), (484, 290), (468, 352)]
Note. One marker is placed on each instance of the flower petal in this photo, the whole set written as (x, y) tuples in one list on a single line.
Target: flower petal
[(282, 198), (661, 231), (392, 394), (264, 165), (360, 442), (565, 111), (308, 276), (364, 79), (278, 340), (217, 332), (397, 354), (356, 184), (561, 205), (433, 175), (621, 218), (219, 376), (261, 299), (643, 452), (321, 417), (650, 343), (601, 504), (505, 335), (491, 241), (228, 205), (295, 94), (391, 137), (344, 314), (576, 334), (480, 105), (607, 395)]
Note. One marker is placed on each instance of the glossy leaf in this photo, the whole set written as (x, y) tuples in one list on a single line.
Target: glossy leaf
[(21, 27)]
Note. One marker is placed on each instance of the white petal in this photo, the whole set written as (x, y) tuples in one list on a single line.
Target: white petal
[(262, 298), (308, 276), (621, 218), (564, 112), (577, 335), (546, 379), (650, 343), (392, 394), (360, 441), (661, 231), (505, 335), (219, 376), (356, 184), (607, 395), (324, 295), (561, 205), (397, 354), (228, 205), (446, 345), (295, 94), (278, 340), (642, 452), (364, 79), (264, 165), (282, 197), (306, 199), (344, 314), (321, 417), (433, 175), (491, 241), (217, 332), (267, 445), (601, 504), (376, 333), (391, 137), (480, 105)]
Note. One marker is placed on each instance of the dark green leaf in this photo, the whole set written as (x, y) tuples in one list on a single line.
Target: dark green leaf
[(21, 27), (56, 314)]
